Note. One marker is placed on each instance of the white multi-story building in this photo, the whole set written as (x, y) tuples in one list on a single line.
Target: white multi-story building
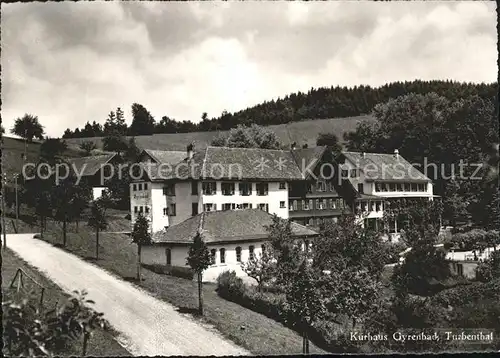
[(214, 179), (378, 178)]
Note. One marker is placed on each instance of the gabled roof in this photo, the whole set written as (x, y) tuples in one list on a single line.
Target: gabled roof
[(89, 166), (225, 226), (308, 157), (234, 163), (166, 156), (380, 167)]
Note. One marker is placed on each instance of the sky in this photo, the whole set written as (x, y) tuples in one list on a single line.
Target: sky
[(69, 63)]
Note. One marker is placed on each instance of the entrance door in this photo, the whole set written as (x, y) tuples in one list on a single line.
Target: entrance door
[(168, 255)]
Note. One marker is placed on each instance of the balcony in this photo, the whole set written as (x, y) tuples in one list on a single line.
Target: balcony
[(144, 195)]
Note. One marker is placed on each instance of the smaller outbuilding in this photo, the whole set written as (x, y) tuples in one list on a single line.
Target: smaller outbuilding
[(232, 237)]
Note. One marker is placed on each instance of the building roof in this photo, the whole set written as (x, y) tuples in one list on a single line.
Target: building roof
[(233, 163), (304, 157), (89, 166), (225, 226), (380, 167), (166, 156)]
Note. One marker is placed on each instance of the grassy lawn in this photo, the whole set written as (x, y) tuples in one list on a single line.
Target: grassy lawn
[(102, 343), (253, 331)]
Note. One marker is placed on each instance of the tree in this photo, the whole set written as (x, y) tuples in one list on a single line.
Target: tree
[(304, 300), (28, 127), (87, 146), (38, 194), (97, 220), (52, 149), (115, 142), (345, 244), (261, 268), (285, 250), (64, 195), (248, 137), (143, 122), (199, 260), (141, 235), (133, 152), (330, 140)]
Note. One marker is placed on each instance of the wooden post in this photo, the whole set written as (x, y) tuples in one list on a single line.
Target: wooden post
[(41, 297), (17, 202), (4, 229), (85, 341)]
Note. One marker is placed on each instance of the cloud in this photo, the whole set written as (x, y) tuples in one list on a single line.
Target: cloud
[(70, 63)]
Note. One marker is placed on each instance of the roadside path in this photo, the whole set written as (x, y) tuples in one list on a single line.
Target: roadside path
[(149, 326)]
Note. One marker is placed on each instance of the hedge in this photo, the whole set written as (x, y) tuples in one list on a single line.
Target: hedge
[(183, 272), (323, 334)]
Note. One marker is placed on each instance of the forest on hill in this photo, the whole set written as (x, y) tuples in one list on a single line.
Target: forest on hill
[(319, 103)]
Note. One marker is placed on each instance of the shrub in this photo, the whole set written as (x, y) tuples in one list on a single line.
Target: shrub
[(230, 286), (182, 272)]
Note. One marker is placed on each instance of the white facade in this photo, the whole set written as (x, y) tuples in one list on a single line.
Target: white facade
[(171, 203), (157, 254), (97, 192)]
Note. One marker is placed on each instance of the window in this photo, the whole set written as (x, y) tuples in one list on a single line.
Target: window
[(333, 204), (290, 205), (354, 173), (238, 254), (413, 187), (245, 206), (309, 188), (421, 187), (262, 189), (147, 209), (282, 185), (140, 186), (141, 209), (399, 187), (222, 256), (134, 187), (165, 211), (392, 187), (360, 188), (171, 210), (322, 204), (227, 206), (282, 205), (209, 188), (135, 209), (305, 204), (407, 187), (321, 186), (384, 186), (212, 256), (345, 173), (311, 204), (169, 190), (295, 205), (194, 188), (251, 253), (378, 187), (145, 186), (264, 207), (363, 206), (227, 188), (310, 221), (208, 207), (194, 209), (318, 204), (378, 206), (245, 189), (168, 256)]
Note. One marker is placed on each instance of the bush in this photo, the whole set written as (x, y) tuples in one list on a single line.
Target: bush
[(182, 272), (230, 286)]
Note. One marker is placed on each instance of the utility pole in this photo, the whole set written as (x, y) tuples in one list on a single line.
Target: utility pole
[(17, 202), (4, 229)]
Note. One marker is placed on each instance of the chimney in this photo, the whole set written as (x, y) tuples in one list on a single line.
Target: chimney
[(396, 153), (294, 145), (190, 151)]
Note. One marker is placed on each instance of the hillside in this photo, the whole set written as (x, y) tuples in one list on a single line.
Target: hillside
[(13, 149), (299, 132)]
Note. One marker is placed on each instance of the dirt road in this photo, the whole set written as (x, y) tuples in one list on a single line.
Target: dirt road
[(149, 326)]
